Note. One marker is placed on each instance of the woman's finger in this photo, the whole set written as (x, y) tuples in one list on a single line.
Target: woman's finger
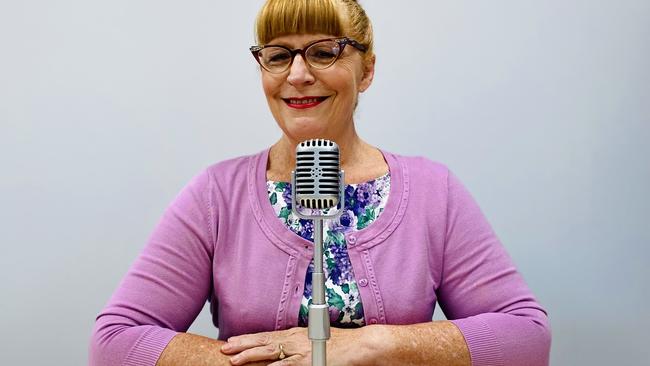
[(240, 343), (261, 353)]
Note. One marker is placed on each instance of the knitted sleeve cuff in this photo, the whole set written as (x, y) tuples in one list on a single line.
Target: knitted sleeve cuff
[(484, 348), (149, 347)]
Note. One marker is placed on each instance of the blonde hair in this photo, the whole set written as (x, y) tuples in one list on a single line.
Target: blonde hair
[(336, 17)]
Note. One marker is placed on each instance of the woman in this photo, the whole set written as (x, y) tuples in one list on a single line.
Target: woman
[(411, 236)]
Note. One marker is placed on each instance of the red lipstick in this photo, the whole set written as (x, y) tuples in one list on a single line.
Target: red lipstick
[(303, 102)]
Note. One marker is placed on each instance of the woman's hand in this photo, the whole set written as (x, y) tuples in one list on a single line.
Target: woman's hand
[(343, 348)]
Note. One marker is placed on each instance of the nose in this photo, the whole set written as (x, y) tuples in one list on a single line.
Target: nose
[(299, 73)]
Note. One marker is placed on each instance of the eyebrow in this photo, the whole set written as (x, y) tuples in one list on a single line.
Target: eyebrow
[(283, 44)]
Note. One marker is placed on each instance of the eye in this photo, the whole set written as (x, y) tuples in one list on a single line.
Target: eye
[(275, 55), (324, 54), (279, 57)]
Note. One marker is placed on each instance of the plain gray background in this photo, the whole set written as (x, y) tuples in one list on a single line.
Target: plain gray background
[(542, 108)]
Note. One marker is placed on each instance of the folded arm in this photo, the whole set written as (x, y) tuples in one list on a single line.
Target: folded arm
[(482, 292), (164, 290)]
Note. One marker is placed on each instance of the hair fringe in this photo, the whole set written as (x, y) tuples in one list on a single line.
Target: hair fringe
[(333, 17), (281, 17)]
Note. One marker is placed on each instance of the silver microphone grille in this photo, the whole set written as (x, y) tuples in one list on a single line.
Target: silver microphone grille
[(317, 174)]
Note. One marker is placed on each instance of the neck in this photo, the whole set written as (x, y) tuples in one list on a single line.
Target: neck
[(359, 160), (283, 152)]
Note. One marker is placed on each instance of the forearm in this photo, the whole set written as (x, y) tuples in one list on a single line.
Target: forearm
[(431, 343), (191, 349)]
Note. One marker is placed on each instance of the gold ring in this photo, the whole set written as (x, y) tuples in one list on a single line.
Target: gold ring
[(282, 355)]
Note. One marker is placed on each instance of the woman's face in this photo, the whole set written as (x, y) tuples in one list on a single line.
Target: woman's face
[(311, 103)]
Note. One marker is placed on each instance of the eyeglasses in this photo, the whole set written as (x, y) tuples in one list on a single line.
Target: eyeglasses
[(319, 54)]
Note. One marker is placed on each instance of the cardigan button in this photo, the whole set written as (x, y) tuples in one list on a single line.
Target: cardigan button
[(363, 282), (373, 320), (352, 239)]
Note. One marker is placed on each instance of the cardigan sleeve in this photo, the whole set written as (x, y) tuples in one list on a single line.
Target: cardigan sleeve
[(165, 288), (483, 293)]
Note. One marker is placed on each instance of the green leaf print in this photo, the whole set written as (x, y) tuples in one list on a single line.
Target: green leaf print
[(279, 187), (274, 198), (366, 218), (358, 311), (304, 311), (337, 237), (284, 213), (341, 316), (346, 288), (335, 299)]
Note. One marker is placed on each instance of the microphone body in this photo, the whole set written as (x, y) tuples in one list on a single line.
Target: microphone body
[(318, 184), (317, 174)]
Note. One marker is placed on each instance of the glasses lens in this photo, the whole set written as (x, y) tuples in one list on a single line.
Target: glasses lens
[(323, 54), (274, 58)]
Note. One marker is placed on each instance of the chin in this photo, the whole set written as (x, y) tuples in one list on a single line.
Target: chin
[(305, 128)]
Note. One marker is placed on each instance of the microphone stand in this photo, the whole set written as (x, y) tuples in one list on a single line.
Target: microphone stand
[(319, 319)]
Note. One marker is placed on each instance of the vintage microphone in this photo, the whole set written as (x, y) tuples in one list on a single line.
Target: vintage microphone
[(318, 185)]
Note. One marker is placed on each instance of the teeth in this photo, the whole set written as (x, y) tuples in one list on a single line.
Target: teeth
[(303, 101)]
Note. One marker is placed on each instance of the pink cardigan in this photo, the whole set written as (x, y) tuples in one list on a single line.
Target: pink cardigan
[(219, 240)]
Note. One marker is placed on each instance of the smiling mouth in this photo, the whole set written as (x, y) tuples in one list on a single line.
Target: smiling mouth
[(304, 102)]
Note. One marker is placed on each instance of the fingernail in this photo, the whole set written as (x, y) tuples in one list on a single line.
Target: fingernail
[(226, 347), (234, 360)]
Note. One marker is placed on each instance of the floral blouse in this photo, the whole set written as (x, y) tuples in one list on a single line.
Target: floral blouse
[(364, 202)]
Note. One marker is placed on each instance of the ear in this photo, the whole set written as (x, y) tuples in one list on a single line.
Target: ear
[(368, 74)]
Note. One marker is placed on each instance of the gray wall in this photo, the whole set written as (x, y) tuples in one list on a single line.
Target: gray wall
[(107, 108)]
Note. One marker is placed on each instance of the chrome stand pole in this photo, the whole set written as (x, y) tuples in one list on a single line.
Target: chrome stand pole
[(319, 322)]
